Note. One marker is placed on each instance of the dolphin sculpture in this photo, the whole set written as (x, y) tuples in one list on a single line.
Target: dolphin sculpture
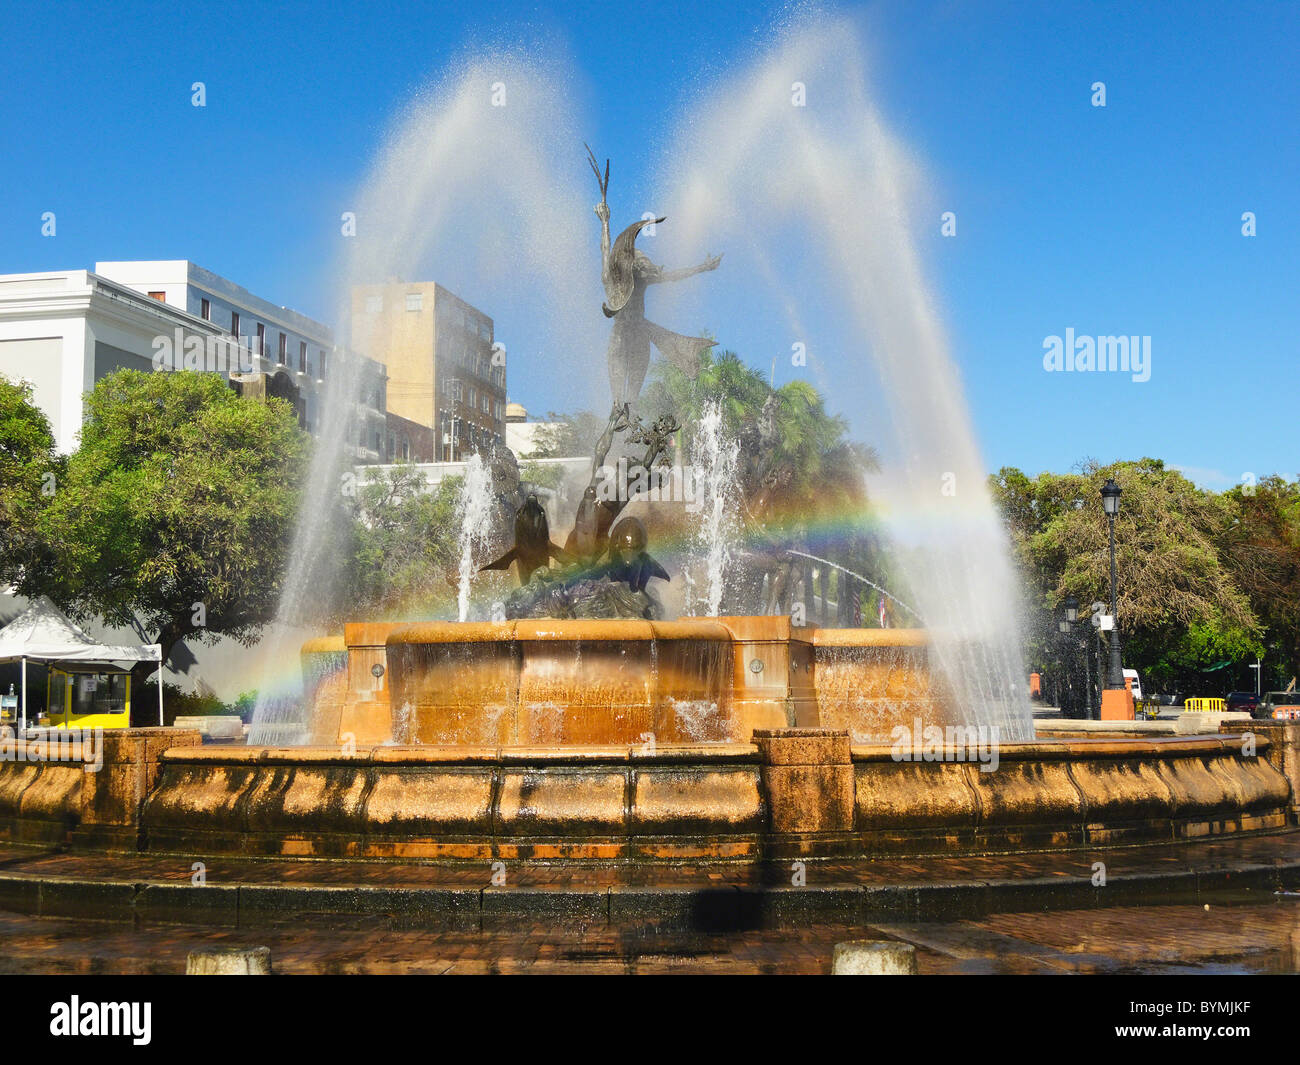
[(533, 548), (628, 560)]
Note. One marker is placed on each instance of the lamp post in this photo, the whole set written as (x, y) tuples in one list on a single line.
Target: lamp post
[(1097, 608), (1067, 688), (1071, 609), (1067, 626), (1110, 493)]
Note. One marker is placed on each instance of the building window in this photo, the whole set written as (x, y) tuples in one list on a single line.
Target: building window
[(374, 304), (487, 403), (302, 356), (473, 398), (234, 323), (261, 338), (283, 354), (205, 310), (161, 297), (415, 301), (320, 365), (456, 390)]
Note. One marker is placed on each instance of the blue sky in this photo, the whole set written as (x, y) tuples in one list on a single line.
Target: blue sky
[(1125, 219)]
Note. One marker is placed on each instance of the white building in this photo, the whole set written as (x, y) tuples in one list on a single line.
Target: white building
[(522, 436), (64, 330), (281, 340)]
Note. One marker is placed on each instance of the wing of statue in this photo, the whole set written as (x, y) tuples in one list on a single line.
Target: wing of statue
[(682, 351), (619, 276)]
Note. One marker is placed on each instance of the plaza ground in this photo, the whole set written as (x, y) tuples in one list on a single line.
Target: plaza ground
[(1228, 906), (1236, 934)]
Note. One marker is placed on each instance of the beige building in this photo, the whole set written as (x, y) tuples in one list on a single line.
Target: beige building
[(445, 369)]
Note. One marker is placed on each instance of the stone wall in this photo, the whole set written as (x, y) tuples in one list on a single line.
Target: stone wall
[(793, 793), (46, 800)]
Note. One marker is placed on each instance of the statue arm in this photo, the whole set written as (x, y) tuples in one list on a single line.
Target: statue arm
[(618, 420), (660, 276), (602, 212)]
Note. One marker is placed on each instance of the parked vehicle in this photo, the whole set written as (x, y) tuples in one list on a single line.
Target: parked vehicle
[(1243, 702), (1136, 686), (1280, 706)]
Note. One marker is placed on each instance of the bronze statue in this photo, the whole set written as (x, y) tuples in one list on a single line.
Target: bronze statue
[(607, 566), (533, 548), (629, 562), (626, 272)]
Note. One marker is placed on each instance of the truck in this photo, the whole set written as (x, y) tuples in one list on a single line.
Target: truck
[(1279, 706)]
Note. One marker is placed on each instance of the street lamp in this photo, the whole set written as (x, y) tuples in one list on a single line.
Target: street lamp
[(1066, 693), (1071, 605), (1110, 493)]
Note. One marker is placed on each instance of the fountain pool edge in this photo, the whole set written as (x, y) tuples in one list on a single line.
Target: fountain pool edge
[(792, 794)]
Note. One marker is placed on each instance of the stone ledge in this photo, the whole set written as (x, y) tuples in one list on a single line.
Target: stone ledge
[(728, 907)]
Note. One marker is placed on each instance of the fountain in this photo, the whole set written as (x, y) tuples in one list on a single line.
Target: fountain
[(581, 723), (584, 654), (716, 460), (473, 509), (585, 725)]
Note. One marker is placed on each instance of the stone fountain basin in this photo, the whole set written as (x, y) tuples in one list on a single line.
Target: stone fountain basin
[(570, 682), (576, 682), (791, 793), (801, 793)]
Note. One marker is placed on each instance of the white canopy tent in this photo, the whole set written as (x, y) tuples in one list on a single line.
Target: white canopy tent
[(42, 633)]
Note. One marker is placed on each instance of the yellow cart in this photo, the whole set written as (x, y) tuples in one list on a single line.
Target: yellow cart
[(87, 699)]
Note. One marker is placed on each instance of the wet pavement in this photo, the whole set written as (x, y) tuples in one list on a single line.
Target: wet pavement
[(1222, 918), (1229, 935), (1227, 853)]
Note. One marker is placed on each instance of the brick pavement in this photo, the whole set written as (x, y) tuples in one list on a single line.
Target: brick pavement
[(1242, 930), (1222, 854), (1231, 936)]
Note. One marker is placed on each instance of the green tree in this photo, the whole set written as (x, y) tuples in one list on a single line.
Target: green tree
[(177, 511), (788, 439), (1261, 545), (1180, 611), (29, 473), (824, 469), (405, 550)]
